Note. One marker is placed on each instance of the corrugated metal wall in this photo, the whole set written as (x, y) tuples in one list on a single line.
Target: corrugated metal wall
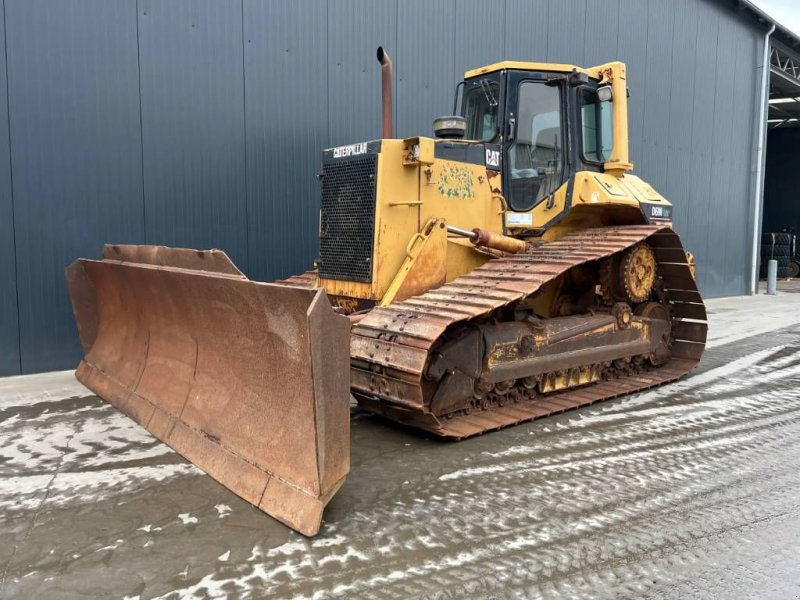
[(9, 318), (73, 106), (199, 123)]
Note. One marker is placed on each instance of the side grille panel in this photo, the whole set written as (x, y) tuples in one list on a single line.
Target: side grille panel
[(348, 218)]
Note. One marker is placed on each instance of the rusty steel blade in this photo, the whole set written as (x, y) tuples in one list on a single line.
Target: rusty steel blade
[(247, 380)]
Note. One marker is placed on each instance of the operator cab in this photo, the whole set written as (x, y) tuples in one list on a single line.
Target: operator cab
[(547, 124)]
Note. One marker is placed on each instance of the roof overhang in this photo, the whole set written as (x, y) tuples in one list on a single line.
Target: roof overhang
[(784, 68), (782, 34), (784, 87), (524, 66)]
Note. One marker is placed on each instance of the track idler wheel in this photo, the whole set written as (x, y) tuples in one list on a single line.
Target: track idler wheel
[(622, 313), (655, 310)]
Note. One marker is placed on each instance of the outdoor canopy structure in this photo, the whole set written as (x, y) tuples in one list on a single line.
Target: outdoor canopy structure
[(784, 92), (200, 124)]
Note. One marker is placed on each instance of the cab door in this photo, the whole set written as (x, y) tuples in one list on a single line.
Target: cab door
[(535, 154)]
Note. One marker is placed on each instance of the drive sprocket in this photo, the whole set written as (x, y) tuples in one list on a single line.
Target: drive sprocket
[(637, 272), (630, 276)]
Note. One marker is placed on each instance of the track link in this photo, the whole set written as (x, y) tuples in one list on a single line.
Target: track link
[(390, 347)]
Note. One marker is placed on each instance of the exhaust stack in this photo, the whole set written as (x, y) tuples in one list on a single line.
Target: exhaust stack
[(386, 91)]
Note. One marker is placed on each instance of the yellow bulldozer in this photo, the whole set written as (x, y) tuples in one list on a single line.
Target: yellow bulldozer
[(507, 269)]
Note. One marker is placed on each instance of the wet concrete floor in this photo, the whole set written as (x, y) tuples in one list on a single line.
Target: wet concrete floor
[(690, 490)]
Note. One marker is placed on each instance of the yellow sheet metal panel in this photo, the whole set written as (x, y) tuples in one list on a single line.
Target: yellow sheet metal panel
[(597, 198), (424, 266), (418, 150), (540, 216), (350, 289), (462, 257), (460, 193), (396, 218), (601, 188), (523, 66), (614, 74), (414, 188), (397, 213), (642, 190), (595, 72)]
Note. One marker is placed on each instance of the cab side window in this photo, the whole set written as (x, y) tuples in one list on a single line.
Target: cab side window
[(535, 156), (596, 127), (481, 111)]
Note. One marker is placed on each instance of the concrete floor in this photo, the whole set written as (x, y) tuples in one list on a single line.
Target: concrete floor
[(691, 490)]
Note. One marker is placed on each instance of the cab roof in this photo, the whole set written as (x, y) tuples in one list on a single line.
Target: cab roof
[(528, 66)]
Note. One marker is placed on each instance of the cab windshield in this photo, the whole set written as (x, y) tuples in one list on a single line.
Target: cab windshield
[(481, 109)]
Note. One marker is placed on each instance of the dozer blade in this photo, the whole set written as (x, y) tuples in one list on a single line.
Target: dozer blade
[(247, 380)]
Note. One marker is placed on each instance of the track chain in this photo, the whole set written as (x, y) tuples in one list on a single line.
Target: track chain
[(391, 345)]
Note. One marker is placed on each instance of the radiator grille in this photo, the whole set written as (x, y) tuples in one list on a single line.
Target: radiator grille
[(348, 219)]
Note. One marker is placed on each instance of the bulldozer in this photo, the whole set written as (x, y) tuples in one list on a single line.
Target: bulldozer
[(508, 268)]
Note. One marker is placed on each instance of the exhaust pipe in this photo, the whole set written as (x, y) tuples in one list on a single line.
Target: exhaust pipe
[(386, 91)]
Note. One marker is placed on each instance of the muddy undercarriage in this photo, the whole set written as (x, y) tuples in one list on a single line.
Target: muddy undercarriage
[(591, 316)]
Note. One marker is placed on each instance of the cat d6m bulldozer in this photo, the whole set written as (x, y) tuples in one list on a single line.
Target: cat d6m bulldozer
[(506, 269)]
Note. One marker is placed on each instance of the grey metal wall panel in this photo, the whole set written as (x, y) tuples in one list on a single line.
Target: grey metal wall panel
[(601, 32), (238, 99), (355, 29), (702, 148), (479, 32), (9, 329), (678, 158), (424, 65), (567, 24), (656, 92), (738, 236), (76, 154), (286, 129), (632, 49), (527, 32), (192, 93), (718, 164)]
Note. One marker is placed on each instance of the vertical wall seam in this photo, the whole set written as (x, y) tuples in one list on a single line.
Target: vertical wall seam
[(395, 111), (671, 82), (667, 190), (547, 31), (736, 75), (505, 29), (246, 163), (694, 101), (640, 125), (328, 69), (11, 193), (585, 27), (141, 125), (617, 56), (454, 70), (714, 123)]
